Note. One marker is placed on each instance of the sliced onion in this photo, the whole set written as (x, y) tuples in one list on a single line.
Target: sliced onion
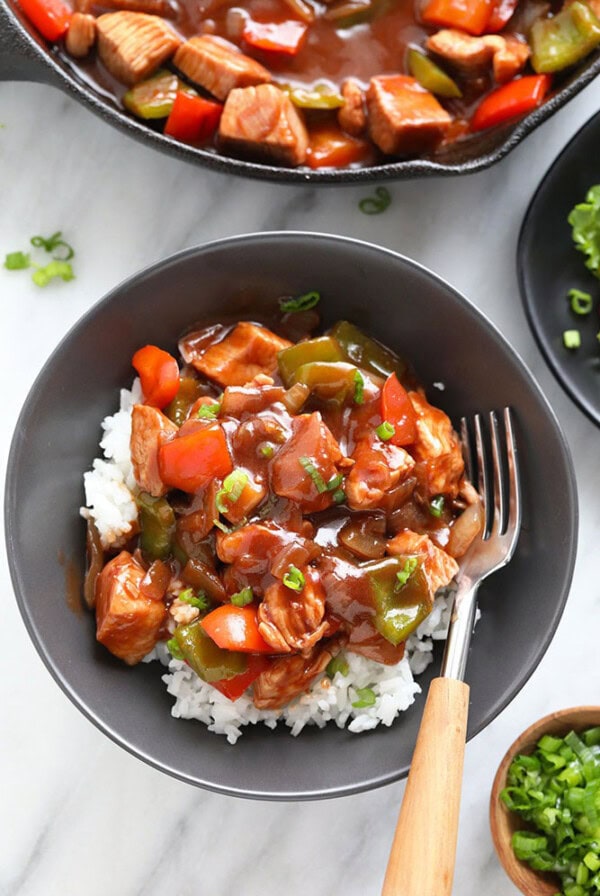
[(295, 397), (95, 562), (466, 528), (302, 9), (364, 537)]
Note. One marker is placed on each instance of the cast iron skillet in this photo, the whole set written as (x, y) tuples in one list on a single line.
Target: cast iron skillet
[(25, 56), (57, 437)]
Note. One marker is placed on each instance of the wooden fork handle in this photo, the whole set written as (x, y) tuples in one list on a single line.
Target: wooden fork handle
[(422, 857)]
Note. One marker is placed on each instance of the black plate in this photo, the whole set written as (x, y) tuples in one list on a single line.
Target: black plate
[(549, 266), (57, 437)]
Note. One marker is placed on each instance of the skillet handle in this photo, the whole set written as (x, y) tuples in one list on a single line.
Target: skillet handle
[(423, 852), (23, 56)]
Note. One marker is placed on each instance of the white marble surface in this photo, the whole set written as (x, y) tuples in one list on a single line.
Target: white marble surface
[(81, 816)]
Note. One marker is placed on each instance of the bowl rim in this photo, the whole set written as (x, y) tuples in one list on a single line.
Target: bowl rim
[(497, 808), (171, 261), (49, 67)]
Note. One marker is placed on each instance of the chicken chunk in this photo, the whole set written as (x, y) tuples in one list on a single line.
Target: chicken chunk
[(128, 621), (352, 117), (379, 467), (403, 117), (291, 621), (290, 676), (251, 399), (132, 45), (439, 568), (471, 55), (259, 553), (437, 449), (311, 444), (246, 351), (149, 430), (510, 59), (81, 35), (468, 54), (264, 123), (218, 66)]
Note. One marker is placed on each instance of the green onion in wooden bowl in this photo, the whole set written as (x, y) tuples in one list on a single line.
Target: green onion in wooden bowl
[(545, 806)]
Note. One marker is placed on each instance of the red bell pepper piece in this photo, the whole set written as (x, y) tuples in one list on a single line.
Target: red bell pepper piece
[(502, 13), (50, 17), (275, 37), (192, 118), (330, 147), (191, 460), (397, 409), (511, 100), (159, 375), (235, 628), (467, 15), (235, 687)]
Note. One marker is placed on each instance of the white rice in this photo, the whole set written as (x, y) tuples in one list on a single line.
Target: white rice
[(110, 499)]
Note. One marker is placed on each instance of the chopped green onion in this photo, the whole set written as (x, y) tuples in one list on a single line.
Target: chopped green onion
[(222, 526), (42, 276), (436, 506), (267, 450), (233, 486), (385, 431), (337, 664), (571, 339), (242, 598), (174, 649), (335, 482), (17, 261), (366, 697), (375, 205), (557, 791), (339, 496), (410, 564), (200, 600), (300, 303), (581, 302), (293, 579), (208, 411), (359, 387), (53, 242), (307, 464)]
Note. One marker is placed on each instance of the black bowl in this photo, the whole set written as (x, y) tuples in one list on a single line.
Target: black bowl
[(57, 436), (24, 55)]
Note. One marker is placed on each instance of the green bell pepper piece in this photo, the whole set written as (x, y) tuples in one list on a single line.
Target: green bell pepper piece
[(399, 608), (431, 76), (189, 390), (157, 526), (322, 349), (321, 96), (564, 39), (154, 97), (329, 380), (209, 661), (365, 352)]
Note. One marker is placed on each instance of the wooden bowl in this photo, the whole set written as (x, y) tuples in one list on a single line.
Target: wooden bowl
[(504, 823)]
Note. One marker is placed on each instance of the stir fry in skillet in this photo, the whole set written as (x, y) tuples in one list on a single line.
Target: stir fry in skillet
[(323, 83), (294, 502)]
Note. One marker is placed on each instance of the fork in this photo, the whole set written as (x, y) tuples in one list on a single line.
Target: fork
[(422, 856)]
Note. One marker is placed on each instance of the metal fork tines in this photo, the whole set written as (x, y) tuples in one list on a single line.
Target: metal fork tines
[(490, 454)]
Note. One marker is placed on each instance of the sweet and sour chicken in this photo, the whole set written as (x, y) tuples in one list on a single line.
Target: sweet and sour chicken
[(295, 500), (323, 83)]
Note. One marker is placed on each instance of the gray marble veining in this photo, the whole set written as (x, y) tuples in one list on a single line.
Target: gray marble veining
[(80, 815)]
